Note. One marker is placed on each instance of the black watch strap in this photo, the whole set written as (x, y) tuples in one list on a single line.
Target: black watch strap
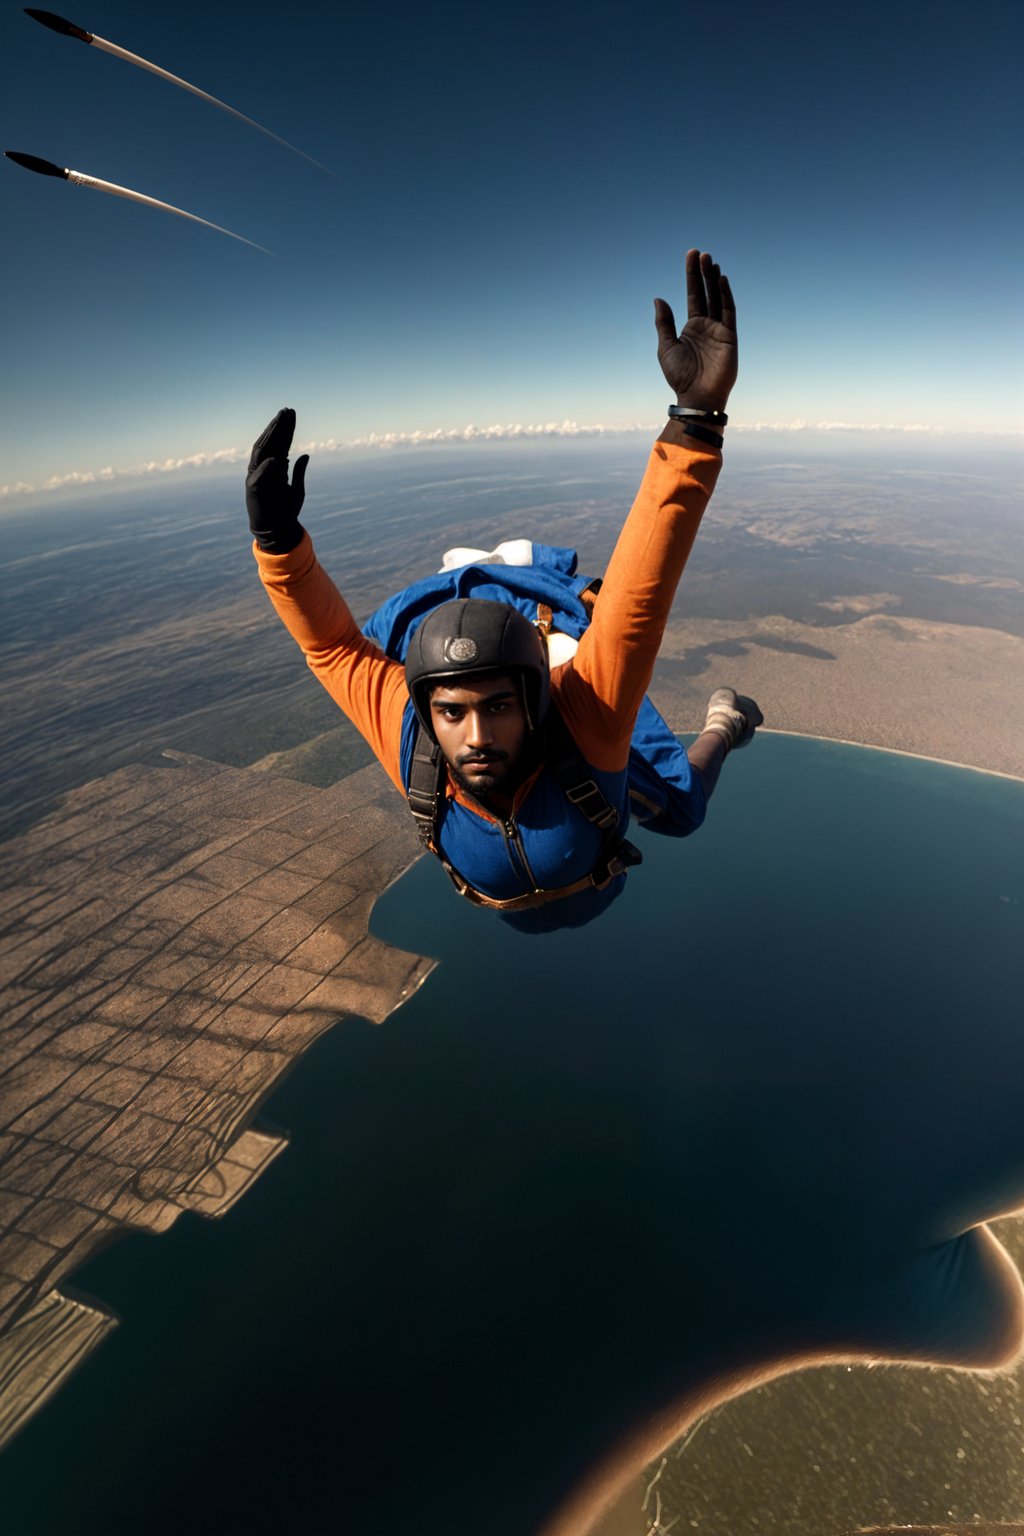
[(713, 439)]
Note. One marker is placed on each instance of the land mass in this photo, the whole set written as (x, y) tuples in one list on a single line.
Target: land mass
[(177, 935), (909, 685), (878, 604)]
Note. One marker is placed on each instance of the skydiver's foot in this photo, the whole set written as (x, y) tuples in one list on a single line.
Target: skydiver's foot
[(733, 716)]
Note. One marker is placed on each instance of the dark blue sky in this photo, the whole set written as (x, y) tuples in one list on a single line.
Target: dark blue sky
[(514, 186)]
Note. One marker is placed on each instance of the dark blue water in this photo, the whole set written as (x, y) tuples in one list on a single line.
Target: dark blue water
[(791, 1054)]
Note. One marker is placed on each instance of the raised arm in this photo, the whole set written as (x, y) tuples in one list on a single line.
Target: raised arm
[(368, 687), (601, 689)]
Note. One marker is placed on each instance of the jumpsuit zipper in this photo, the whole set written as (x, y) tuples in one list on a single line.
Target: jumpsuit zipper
[(513, 839)]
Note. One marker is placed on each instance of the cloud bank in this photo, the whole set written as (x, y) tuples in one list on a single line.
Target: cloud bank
[(498, 432)]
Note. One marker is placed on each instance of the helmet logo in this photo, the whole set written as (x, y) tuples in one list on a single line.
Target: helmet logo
[(460, 649)]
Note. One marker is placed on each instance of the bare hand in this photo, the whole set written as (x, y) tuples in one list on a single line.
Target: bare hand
[(701, 362)]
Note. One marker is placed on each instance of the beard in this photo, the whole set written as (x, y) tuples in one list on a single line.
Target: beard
[(504, 772), (483, 783)]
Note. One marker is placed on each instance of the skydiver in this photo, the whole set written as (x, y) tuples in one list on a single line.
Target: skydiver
[(518, 728)]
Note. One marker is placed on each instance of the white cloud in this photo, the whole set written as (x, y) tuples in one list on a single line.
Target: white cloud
[(497, 432), (193, 461), (801, 425), (502, 431), (76, 477)]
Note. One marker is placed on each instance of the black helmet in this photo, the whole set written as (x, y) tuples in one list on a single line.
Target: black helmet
[(473, 635)]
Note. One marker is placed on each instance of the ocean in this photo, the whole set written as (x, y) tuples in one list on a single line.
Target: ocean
[(573, 1170)]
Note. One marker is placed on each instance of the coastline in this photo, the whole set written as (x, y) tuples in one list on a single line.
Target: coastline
[(924, 757), (839, 682)]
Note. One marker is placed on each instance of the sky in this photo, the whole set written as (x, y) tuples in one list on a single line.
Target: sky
[(512, 187)]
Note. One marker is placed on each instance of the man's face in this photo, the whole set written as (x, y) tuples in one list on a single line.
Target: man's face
[(481, 727)]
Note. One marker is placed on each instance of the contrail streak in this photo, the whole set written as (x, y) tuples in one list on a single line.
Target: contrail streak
[(68, 29), (80, 179)]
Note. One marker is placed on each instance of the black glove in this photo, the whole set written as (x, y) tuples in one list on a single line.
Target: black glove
[(272, 504)]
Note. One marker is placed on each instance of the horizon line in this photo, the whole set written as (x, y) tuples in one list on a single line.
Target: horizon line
[(497, 432)]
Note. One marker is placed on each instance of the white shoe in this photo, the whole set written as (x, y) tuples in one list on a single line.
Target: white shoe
[(733, 716)]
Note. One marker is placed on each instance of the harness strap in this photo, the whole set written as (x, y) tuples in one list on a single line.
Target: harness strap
[(651, 808), (596, 880), (573, 775), (427, 797), (426, 788)]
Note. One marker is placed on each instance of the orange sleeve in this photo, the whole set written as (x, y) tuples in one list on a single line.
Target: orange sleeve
[(362, 681), (599, 692)]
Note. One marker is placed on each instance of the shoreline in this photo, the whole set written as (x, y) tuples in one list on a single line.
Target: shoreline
[(869, 746), (924, 757)]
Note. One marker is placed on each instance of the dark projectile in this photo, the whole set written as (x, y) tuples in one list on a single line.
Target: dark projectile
[(58, 24), (68, 29), (33, 163), (80, 179)]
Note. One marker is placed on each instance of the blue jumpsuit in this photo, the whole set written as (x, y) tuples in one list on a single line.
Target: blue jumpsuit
[(551, 843)]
